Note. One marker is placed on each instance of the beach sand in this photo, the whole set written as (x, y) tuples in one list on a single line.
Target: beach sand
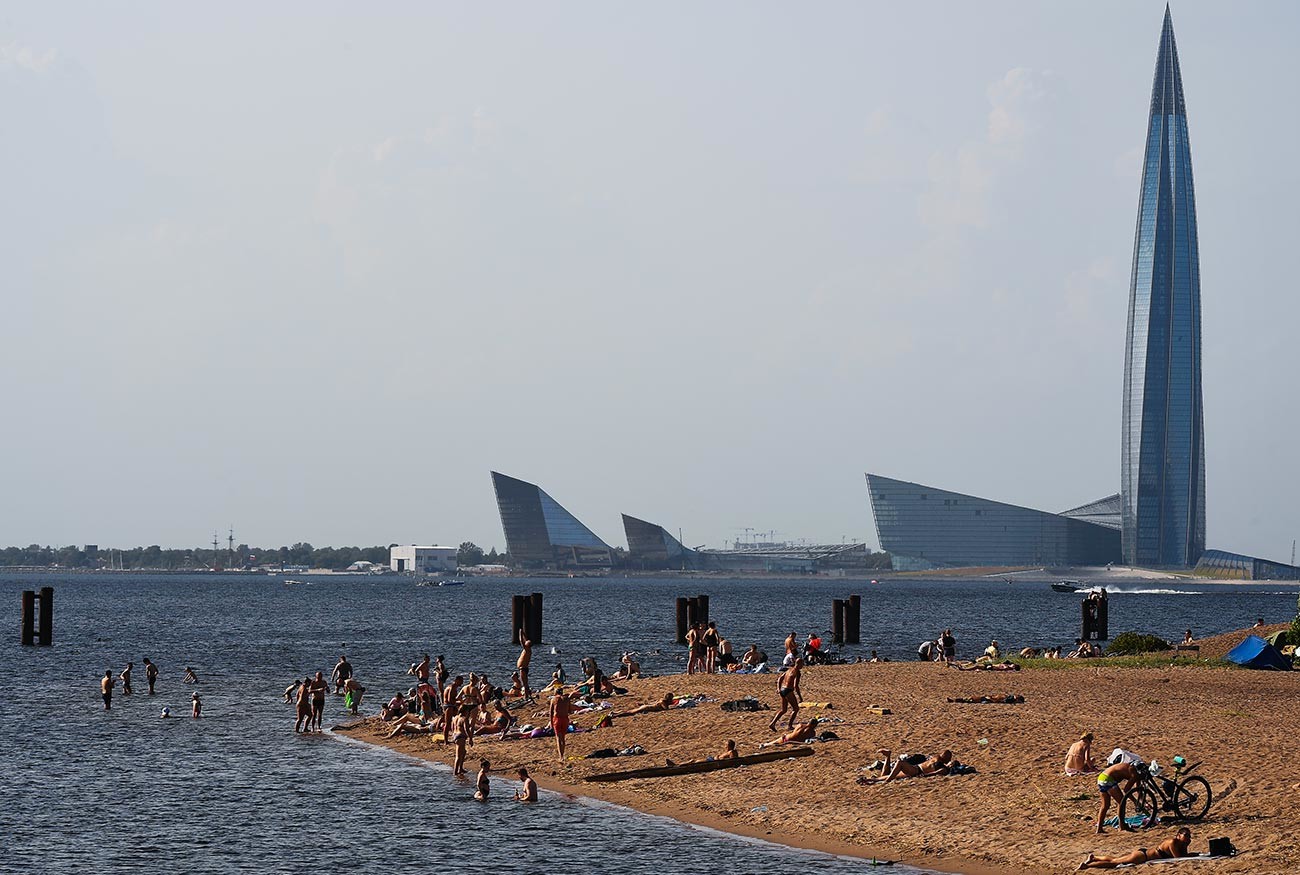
[(1019, 813)]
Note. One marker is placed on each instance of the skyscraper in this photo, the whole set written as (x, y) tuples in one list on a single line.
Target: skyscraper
[(1163, 455)]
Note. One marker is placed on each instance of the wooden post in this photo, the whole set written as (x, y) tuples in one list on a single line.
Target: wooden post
[(692, 612), (853, 620), (681, 619), (535, 619), (837, 621), (516, 618), (1086, 610), (703, 602), (28, 628), (1103, 618), (47, 616)]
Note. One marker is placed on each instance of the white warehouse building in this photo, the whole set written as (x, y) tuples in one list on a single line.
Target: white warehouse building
[(422, 560)]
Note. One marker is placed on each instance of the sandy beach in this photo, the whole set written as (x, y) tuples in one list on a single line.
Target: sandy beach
[(1018, 813)]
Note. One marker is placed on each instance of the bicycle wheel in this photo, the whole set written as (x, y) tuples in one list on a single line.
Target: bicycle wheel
[(1139, 809), (1192, 798)]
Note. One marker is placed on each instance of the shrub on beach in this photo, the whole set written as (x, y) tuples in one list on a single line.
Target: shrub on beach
[(1135, 642)]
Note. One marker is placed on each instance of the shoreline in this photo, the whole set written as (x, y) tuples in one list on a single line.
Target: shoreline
[(605, 794), (1016, 813)]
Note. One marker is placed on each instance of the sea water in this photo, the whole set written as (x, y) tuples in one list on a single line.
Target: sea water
[(239, 791)]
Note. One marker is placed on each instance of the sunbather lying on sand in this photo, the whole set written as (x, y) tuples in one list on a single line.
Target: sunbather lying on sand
[(662, 705), (800, 733), (1005, 665), (1166, 850), (409, 723), (932, 766), (990, 699)]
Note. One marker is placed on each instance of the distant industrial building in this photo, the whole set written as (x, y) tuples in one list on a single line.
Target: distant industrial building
[(422, 560), (650, 547), (542, 534), (924, 527), (1234, 566)]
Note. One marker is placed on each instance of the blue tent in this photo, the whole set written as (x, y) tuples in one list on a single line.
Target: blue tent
[(1255, 652)]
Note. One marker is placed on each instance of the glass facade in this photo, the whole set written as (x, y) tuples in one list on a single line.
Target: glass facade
[(1234, 566), (650, 546), (922, 527), (1163, 453), (539, 532)]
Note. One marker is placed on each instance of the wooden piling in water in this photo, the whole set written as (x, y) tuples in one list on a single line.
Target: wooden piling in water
[(703, 601), (837, 621), (516, 618), (27, 630), (46, 632), (535, 618), (853, 620), (682, 624)]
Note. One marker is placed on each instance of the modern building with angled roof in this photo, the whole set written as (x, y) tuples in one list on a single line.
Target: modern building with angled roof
[(1163, 452), (650, 546), (925, 527), (540, 533)]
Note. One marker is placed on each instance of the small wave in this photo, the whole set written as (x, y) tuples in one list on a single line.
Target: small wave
[(1110, 591)]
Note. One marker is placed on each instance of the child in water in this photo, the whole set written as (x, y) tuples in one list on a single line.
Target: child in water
[(482, 781)]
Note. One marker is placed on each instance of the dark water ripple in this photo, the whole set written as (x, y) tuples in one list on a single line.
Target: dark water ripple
[(237, 791)]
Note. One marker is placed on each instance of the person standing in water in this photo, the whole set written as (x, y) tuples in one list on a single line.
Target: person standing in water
[(318, 690), (190, 676), (196, 706), (342, 671), (125, 678), (527, 791), (525, 657), (150, 674), (303, 722), (106, 688), (481, 782)]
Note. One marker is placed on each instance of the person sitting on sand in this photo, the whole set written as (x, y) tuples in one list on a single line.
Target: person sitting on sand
[(729, 752), (726, 659), (1108, 784), (1187, 637), (927, 768), (804, 732), (662, 705), (628, 668), (516, 686), (527, 792), (1078, 759), (501, 721), (812, 651), (1169, 849), (483, 785), (558, 676), (992, 654), (394, 707)]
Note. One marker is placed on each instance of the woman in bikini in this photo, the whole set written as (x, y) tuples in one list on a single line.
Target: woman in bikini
[(462, 734), (1166, 850)]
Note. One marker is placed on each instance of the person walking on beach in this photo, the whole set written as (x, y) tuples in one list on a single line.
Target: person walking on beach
[(948, 647), (342, 672), (150, 674), (560, 713), (125, 678), (196, 705), (525, 657), (787, 687), (106, 684), (527, 791)]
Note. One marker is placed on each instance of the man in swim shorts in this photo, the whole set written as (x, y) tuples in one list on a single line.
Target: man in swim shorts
[(106, 688), (560, 713), (150, 674), (1169, 849), (1108, 784), (787, 687)]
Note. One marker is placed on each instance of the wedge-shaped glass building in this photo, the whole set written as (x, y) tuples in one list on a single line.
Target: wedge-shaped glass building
[(925, 527), (650, 546), (1163, 454), (542, 534)]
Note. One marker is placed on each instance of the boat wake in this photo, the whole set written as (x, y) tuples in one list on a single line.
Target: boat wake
[(1114, 591)]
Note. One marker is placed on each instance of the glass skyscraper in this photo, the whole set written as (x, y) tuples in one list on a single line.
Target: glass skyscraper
[(1163, 454)]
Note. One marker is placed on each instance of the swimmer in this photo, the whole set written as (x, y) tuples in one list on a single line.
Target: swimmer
[(166, 712), (482, 782), (527, 792), (196, 707), (190, 676)]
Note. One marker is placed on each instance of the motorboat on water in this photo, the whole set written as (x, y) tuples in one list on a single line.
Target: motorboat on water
[(1068, 586)]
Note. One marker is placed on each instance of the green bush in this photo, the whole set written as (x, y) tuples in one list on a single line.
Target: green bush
[(1135, 642)]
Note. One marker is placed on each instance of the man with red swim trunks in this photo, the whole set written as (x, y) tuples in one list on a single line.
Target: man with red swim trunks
[(560, 711)]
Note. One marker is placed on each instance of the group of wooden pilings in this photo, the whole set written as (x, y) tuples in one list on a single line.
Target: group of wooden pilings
[(526, 618), (38, 625), (846, 620), (691, 611)]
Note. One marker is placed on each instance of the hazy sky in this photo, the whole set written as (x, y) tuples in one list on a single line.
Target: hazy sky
[(313, 270)]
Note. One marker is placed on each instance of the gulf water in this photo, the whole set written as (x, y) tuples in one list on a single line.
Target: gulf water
[(238, 791)]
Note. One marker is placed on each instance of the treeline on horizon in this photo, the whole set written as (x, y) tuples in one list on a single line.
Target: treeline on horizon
[(243, 556)]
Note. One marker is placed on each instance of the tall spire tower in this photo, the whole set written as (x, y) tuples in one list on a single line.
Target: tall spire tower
[(1163, 455)]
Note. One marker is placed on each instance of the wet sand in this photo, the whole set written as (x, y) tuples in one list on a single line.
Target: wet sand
[(1019, 813)]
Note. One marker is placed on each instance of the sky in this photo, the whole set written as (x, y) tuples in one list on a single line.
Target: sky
[(312, 271)]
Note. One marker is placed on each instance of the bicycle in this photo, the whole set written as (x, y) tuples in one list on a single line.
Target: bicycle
[(1184, 797)]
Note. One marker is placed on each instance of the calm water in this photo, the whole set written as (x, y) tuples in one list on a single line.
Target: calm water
[(238, 791)]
